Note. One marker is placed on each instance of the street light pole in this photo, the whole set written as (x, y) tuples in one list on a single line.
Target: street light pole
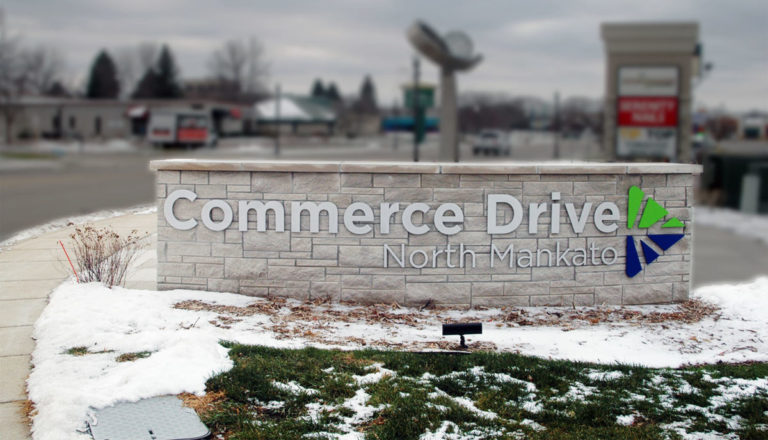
[(556, 126), (415, 103), (277, 120)]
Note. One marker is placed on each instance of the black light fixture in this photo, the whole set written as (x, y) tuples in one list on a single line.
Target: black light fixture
[(469, 328)]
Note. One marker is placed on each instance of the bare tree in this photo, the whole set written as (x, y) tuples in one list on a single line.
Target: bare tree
[(134, 62), (240, 63), (42, 68), (127, 73), (146, 55), (228, 62), (258, 69), (23, 71), (11, 79)]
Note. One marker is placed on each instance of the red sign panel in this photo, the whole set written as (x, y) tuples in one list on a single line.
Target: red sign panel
[(193, 135), (647, 111)]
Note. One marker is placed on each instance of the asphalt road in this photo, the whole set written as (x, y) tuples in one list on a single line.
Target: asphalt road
[(31, 195)]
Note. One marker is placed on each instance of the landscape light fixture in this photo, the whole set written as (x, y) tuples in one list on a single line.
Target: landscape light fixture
[(469, 328), (452, 52)]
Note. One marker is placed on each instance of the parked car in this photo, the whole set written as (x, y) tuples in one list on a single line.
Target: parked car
[(181, 127), (492, 143)]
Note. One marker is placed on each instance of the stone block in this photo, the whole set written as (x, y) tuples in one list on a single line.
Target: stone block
[(648, 293), (407, 195), (322, 289), (552, 300), (198, 249), (397, 180), (501, 301), (608, 295), (266, 241), (517, 288), (316, 183), (356, 281), (296, 273), (594, 188), (209, 270), (440, 180), (271, 182), (169, 177), (367, 296), (194, 177), (176, 269), (440, 293), (229, 178), (356, 180), (245, 268), (388, 282), (361, 256), (547, 188), (211, 191), (487, 289)]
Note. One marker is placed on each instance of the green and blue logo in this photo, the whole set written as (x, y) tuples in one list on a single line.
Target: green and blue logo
[(652, 214)]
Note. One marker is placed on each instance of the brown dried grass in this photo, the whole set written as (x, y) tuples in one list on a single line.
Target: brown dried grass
[(102, 255)]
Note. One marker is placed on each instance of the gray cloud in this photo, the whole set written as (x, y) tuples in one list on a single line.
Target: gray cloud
[(531, 48)]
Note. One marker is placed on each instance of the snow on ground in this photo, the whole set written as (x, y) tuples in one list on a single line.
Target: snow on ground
[(747, 225), (185, 349), (63, 222)]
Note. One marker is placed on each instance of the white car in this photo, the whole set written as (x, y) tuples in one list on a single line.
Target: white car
[(492, 143)]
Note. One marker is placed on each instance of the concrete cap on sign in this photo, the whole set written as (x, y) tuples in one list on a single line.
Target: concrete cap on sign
[(425, 167)]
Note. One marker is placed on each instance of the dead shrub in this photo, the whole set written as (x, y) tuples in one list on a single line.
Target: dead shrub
[(102, 255)]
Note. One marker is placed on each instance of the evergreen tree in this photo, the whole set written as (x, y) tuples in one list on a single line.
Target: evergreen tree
[(147, 86), (318, 90), (367, 100), (103, 83), (167, 85), (332, 93), (57, 90)]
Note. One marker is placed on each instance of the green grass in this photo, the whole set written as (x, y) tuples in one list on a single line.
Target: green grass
[(130, 357), (77, 351), (26, 155), (83, 350), (513, 397)]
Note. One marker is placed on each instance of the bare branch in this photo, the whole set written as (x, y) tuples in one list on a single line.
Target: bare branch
[(240, 62)]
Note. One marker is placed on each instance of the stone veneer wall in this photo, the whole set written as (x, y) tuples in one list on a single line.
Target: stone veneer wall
[(349, 267)]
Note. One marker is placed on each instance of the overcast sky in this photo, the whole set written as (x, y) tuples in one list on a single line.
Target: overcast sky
[(530, 48)]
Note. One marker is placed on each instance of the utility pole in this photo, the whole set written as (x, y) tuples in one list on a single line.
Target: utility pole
[(556, 126), (396, 112), (416, 111), (277, 120)]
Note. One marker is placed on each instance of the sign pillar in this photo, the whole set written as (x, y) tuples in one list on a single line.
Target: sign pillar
[(649, 67)]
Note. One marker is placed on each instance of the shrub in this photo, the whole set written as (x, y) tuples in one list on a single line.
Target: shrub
[(104, 256)]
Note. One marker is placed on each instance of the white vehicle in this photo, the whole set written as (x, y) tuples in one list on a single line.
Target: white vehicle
[(181, 127), (492, 143)]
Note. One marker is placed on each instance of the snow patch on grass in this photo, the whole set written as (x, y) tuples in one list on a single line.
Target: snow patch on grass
[(293, 388), (376, 376), (605, 375), (465, 403), (626, 420), (186, 349)]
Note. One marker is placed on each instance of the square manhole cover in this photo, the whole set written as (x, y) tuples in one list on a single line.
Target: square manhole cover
[(157, 418)]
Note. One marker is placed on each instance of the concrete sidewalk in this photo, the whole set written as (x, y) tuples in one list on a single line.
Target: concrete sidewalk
[(29, 271)]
